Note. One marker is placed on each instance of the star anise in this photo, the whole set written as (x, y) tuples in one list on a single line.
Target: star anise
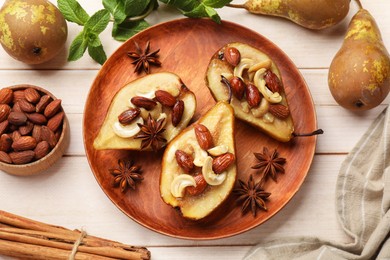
[(269, 163), (252, 195), (151, 134), (126, 175), (144, 58)]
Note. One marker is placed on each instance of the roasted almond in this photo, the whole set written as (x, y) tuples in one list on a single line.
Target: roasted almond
[(41, 150), (5, 142), (201, 185), (17, 118), (238, 87), (127, 116), (272, 81), (4, 111), (42, 104), (26, 129), (222, 162), (184, 160), (4, 157), (18, 95), (15, 135), (143, 102), (203, 136), (26, 106), (3, 126), (6, 95), (253, 95), (52, 108), (177, 112), (22, 157), (24, 143), (16, 107), (165, 98), (55, 122), (232, 56), (279, 110), (36, 133), (37, 118), (32, 95), (48, 135)]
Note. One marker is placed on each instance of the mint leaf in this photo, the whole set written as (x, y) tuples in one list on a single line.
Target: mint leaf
[(123, 31), (78, 47), (96, 51), (98, 21), (216, 3), (116, 8), (72, 11), (135, 7)]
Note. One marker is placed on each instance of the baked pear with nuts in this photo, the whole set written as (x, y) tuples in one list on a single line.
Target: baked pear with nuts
[(198, 167), (251, 82), (147, 113)]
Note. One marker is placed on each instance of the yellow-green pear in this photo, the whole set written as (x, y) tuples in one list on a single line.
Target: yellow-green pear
[(359, 75), (318, 14)]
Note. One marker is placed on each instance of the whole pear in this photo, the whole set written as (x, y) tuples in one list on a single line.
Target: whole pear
[(359, 75), (32, 31), (318, 14)]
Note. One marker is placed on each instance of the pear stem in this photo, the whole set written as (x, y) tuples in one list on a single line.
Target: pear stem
[(316, 132), (359, 4), (235, 5)]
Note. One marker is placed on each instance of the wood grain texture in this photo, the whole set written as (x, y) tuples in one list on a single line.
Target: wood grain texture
[(186, 52)]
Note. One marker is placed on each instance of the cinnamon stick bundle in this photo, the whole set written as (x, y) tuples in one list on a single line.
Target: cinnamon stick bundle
[(29, 239)]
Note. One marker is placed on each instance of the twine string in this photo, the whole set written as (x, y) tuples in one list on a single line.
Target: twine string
[(76, 245)]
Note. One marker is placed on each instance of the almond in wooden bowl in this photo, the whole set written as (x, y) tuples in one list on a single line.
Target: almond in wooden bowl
[(34, 130)]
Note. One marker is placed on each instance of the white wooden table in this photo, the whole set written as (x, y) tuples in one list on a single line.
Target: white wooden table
[(68, 195)]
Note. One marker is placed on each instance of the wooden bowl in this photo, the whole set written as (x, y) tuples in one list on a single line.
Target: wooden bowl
[(42, 164)]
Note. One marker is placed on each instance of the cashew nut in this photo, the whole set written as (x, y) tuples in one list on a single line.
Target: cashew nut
[(244, 64), (127, 131), (265, 64), (210, 177), (179, 184), (272, 97), (218, 150), (261, 109)]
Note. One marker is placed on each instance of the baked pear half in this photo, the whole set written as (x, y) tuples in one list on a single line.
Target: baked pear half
[(251, 82), (147, 113), (199, 166)]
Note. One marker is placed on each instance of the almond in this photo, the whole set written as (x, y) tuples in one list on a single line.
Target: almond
[(42, 104), (253, 95), (177, 112), (165, 98), (37, 118), (24, 143), (6, 95), (26, 106), (26, 129), (184, 160), (279, 110), (203, 136), (18, 95), (127, 116), (272, 81), (222, 162), (143, 102), (5, 142), (238, 87), (3, 127), (55, 122), (36, 133), (15, 135), (32, 95), (4, 157), (16, 107), (22, 157), (201, 185), (4, 111), (41, 150), (232, 56), (17, 118), (52, 108), (48, 135)]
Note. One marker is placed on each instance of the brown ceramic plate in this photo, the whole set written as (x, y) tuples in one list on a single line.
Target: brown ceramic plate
[(186, 47)]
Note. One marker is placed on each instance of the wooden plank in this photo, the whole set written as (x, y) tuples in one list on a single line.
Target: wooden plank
[(69, 189)]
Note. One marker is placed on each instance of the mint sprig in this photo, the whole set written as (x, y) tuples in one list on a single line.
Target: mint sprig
[(128, 17)]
